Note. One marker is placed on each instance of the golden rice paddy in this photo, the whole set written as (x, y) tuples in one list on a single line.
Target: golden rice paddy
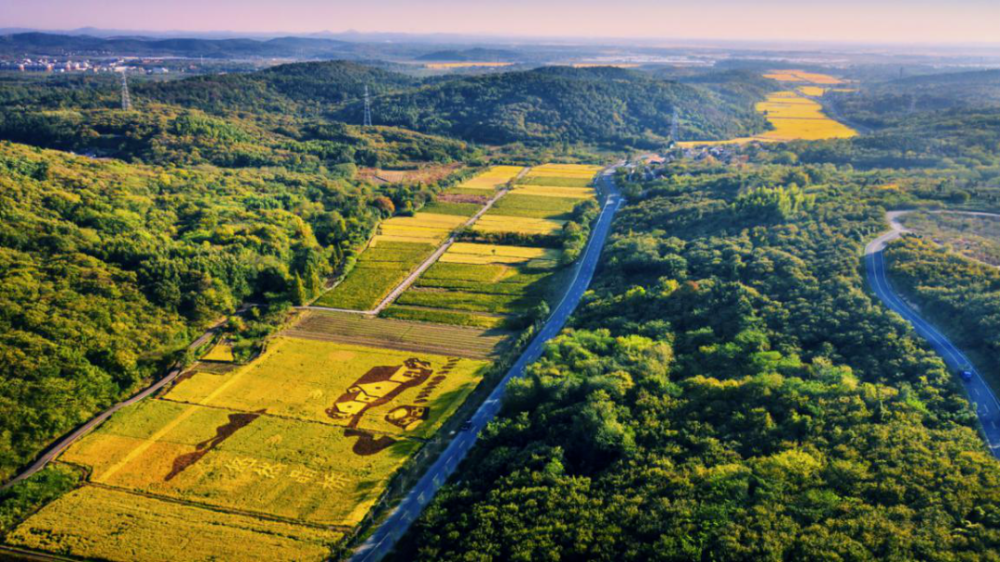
[(812, 91), (524, 225), (476, 254), (793, 117), (104, 524), (493, 178), (803, 76)]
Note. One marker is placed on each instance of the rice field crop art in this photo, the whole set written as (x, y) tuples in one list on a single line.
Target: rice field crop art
[(308, 379), (106, 524), (249, 462)]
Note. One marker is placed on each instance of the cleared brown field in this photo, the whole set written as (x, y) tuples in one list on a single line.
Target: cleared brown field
[(459, 341)]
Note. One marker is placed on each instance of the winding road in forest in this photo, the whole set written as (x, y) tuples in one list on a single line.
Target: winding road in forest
[(385, 537), (984, 400)]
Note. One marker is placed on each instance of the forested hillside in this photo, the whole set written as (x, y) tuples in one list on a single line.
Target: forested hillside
[(729, 390), (608, 106)]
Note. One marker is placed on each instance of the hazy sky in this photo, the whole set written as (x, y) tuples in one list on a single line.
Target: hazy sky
[(844, 20)]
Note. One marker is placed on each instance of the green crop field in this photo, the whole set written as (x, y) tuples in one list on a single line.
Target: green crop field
[(472, 302), (379, 270), (556, 181), (534, 206), (103, 524), (304, 378), (450, 208), (439, 316)]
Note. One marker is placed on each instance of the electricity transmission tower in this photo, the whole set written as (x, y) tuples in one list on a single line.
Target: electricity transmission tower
[(126, 99), (368, 109)]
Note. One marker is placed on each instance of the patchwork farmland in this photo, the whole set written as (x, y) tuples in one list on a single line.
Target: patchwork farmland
[(289, 453)]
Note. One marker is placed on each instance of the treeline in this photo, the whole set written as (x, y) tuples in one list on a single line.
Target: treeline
[(729, 390)]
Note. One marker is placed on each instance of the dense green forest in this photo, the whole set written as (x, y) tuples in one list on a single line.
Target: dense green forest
[(729, 389), (608, 106), (959, 294)]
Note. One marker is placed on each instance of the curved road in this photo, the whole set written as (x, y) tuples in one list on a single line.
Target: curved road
[(985, 402), (384, 539)]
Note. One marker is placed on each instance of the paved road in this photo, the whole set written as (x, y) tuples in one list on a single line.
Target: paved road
[(386, 536), (57, 449), (985, 402)]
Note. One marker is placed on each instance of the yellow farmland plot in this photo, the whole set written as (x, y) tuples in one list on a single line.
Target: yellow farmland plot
[(793, 117), (802, 76), (428, 228), (469, 253), (555, 191), (525, 225), (245, 461), (814, 91), (221, 352), (103, 524), (492, 178), (402, 392)]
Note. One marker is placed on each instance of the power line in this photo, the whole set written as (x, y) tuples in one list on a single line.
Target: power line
[(368, 108), (126, 98)]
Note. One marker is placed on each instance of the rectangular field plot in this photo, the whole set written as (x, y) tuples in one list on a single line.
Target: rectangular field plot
[(555, 191), (534, 206), (557, 181), (410, 336), (380, 268), (96, 523), (245, 461), (524, 225), (493, 278), (341, 384), (494, 303), (492, 178), (432, 316), (456, 208), (481, 254)]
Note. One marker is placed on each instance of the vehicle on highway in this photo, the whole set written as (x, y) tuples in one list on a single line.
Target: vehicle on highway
[(966, 373)]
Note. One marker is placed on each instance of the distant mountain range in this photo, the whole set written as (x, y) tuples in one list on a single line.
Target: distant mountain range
[(34, 43)]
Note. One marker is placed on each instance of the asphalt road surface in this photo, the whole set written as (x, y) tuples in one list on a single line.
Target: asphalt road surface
[(389, 532), (985, 402)]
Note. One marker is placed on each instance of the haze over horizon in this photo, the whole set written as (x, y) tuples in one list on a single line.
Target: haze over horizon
[(876, 21)]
